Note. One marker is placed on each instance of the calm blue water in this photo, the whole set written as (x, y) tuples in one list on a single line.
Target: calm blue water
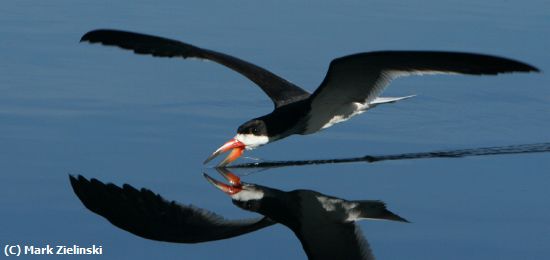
[(75, 108)]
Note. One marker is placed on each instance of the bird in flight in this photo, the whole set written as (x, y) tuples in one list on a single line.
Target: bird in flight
[(325, 225), (352, 85)]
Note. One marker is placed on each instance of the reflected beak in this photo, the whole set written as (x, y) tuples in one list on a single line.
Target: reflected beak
[(233, 179), (229, 176), (236, 145)]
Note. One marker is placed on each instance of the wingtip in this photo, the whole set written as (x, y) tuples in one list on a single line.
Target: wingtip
[(79, 178), (89, 36), (75, 178), (515, 66), (535, 69), (86, 36), (72, 179), (525, 67)]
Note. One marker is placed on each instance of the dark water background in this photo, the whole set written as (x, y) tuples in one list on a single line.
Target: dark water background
[(74, 108)]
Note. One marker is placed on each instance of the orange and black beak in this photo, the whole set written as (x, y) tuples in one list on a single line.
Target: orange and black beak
[(238, 148), (233, 179)]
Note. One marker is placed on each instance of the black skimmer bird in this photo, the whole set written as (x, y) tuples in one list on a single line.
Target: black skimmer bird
[(352, 85), (324, 225)]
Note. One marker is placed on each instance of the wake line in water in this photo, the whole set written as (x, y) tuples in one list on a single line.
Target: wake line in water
[(496, 150)]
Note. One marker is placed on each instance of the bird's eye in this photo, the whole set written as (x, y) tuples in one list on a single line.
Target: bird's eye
[(255, 130)]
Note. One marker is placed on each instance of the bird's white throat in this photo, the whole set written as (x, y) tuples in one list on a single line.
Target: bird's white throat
[(252, 141), (246, 195)]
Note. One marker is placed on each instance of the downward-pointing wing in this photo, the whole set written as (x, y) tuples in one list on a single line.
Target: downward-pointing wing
[(148, 215)]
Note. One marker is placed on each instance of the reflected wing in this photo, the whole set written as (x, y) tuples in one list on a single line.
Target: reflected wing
[(352, 82), (148, 215), (278, 89)]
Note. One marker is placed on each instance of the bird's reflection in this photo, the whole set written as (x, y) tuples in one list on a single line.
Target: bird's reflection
[(457, 153), (325, 225)]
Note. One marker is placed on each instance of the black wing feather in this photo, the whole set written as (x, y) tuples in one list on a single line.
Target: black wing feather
[(422, 61), (361, 78), (278, 89), (148, 215), (458, 62)]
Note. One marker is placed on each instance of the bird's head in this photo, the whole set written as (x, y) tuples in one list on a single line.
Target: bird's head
[(245, 195), (250, 135), (272, 203)]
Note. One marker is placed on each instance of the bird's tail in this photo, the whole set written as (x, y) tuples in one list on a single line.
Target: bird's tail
[(385, 100), (374, 209)]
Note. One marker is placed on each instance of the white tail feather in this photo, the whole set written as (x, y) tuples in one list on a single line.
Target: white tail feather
[(384, 100)]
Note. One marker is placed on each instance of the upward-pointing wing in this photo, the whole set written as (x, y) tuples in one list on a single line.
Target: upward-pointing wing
[(148, 215), (352, 82), (278, 89)]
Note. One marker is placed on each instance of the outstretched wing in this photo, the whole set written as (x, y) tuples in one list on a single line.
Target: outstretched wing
[(146, 214), (278, 89), (353, 82)]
